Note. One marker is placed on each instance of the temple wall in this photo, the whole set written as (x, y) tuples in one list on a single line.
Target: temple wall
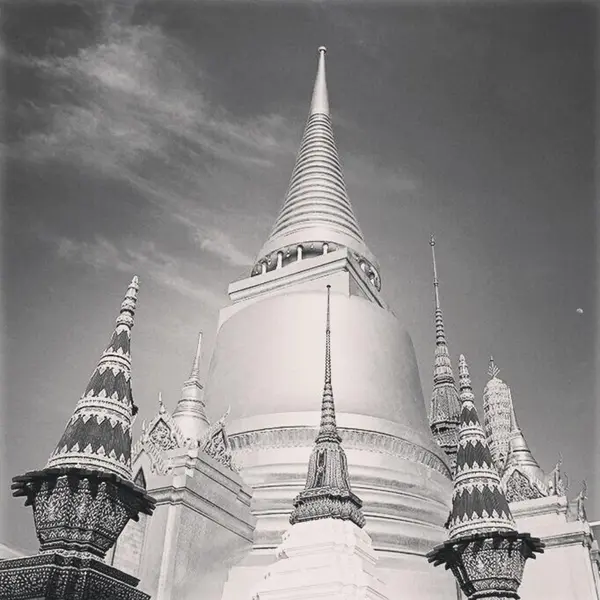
[(202, 525), (565, 569)]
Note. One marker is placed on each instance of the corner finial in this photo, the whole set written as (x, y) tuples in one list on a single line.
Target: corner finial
[(320, 99), (161, 407), (493, 370), (463, 376), (328, 427), (195, 373)]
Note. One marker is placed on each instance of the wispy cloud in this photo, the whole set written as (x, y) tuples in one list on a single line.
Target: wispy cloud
[(135, 257)]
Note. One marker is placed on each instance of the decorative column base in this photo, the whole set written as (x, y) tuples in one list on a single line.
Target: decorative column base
[(326, 558), (65, 576)]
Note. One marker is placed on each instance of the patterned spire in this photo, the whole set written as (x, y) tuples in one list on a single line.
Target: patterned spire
[(478, 502), (523, 478), (190, 414), (316, 215), (327, 493), (445, 405), (98, 435), (497, 416)]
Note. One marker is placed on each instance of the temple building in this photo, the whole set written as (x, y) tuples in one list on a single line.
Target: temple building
[(292, 494)]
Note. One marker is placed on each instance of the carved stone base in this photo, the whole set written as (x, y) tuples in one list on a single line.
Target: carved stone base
[(55, 576)]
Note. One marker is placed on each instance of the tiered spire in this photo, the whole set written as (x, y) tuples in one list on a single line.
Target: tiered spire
[(497, 416), (523, 478), (190, 414), (98, 435), (485, 552), (327, 493), (85, 495), (478, 502), (316, 216), (445, 405)]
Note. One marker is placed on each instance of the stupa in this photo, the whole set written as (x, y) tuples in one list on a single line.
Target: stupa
[(267, 366)]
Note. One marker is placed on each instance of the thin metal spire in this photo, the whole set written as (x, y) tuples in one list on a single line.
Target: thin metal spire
[(328, 427), (327, 493), (436, 283), (320, 100)]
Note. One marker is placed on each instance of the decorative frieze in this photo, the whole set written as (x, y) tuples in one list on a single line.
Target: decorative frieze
[(352, 438)]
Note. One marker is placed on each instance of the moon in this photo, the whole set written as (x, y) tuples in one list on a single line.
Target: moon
[(579, 311)]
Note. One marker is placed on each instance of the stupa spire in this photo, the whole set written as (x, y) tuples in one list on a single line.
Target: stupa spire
[(445, 405), (327, 493), (498, 415), (522, 478), (190, 414), (98, 435), (484, 551), (478, 502), (316, 216)]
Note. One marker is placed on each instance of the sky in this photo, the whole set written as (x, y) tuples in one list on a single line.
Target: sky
[(157, 138)]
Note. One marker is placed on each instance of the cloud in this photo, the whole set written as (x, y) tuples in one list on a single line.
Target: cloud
[(132, 257)]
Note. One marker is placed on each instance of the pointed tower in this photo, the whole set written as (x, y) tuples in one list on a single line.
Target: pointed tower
[(522, 478), (316, 216), (497, 416), (326, 553), (190, 414), (484, 551), (85, 496), (267, 362), (445, 405), (327, 493), (98, 435)]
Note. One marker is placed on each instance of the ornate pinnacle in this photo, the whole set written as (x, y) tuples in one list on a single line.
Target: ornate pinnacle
[(493, 370), (328, 428), (327, 493), (161, 407)]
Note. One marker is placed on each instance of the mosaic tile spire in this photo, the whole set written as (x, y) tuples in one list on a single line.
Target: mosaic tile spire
[(445, 405), (316, 215), (478, 502), (497, 416), (523, 478), (327, 493), (98, 435), (190, 414)]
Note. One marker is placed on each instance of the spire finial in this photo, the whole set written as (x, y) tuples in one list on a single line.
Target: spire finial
[(435, 275), (320, 99), (464, 377), (195, 372), (327, 493), (190, 414), (328, 427), (161, 407), (493, 370)]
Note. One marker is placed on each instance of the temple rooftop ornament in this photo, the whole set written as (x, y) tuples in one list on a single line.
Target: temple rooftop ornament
[(497, 416), (189, 413), (484, 551), (523, 478), (316, 217), (85, 495), (327, 493), (445, 405)]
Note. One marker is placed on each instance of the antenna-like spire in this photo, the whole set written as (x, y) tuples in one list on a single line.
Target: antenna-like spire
[(320, 100), (445, 405), (328, 428), (327, 493), (316, 216), (190, 413)]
